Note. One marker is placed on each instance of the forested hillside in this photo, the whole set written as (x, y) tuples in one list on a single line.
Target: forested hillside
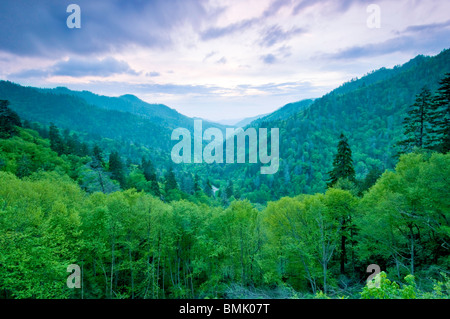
[(363, 180), (159, 114), (369, 111), (130, 244)]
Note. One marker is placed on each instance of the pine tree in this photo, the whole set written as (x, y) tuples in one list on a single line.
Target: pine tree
[(150, 176), (343, 163), (416, 125), (155, 188), (440, 120), (9, 120), (97, 157), (196, 184), (208, 189), (229, 190), (116, 168), (56, 141), (171, 182), (148, 170)]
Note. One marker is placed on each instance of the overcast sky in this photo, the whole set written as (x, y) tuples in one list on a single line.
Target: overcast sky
[(216, 59)]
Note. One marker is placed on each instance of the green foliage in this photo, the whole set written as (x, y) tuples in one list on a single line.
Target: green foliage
[(116, 167), (404, 216), (441, 289), (61, 204), (9, 120), (441, 116), (369, 111), (390, 290), (342, 163)]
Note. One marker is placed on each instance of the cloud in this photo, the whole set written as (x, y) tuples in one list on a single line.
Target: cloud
[(282, 88), (38, 28), (217, 32), (418, 39), (210, 54), (276, 34), (275, 6), (426, 27), (152, 74), (269, 58), (332, 6), (222, 60), (83, 67), (79, 68)]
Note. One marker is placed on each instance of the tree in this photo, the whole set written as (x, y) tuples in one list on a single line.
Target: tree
[(290, 230), (340, 204), (171, 182), (342, 163), (9, 120), (150, 175), (148, 169), (416, 125), (405, 217), (229, 190), (97, 156), (441, 117), (208, 188), (116, 168), (56, 141), (197, 187)]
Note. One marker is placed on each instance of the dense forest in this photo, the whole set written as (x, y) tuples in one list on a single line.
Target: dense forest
[(363, 181)]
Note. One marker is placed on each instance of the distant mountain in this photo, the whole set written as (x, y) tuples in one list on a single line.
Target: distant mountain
[(157, 113), (118, 130), (285, 111), (125, 123), (281, 113)]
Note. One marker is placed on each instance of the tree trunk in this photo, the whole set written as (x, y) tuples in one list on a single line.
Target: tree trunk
[(412, 248), (343, 253), (131, 271)]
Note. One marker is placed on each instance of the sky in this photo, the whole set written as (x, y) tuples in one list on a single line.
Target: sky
[(214, 59)]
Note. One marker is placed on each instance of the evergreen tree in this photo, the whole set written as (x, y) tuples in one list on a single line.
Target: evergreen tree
[(229, 190), (8, 120), (416, 125), (208, 189), (150, 176), (171, 182), (56, 141), (196, 183), (97, 157), (148, 170), (155, 188), (343, 163), (116, 168), (84, 149), (441, 117)]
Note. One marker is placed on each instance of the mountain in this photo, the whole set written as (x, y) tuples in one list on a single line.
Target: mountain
[(157, 113), (281, 113), (124, 123), (246, 121), (369, 111), (121, 130), (285, 111)]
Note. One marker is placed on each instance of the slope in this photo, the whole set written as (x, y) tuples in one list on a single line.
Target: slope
[(369, 111)]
